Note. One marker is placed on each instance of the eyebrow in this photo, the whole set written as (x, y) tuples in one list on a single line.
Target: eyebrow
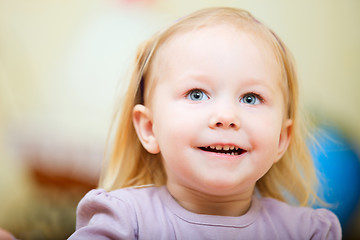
[(246, 82), (257, 82), (195, 76)]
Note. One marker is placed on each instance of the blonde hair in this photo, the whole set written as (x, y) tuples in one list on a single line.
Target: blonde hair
[(131, 165)]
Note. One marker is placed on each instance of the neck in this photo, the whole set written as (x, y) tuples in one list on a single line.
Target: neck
[(201, 203)]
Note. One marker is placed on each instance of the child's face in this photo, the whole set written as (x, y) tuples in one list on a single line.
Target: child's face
[(217, 88)]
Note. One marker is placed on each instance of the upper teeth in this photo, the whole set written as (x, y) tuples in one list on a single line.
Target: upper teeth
[(225, 147)]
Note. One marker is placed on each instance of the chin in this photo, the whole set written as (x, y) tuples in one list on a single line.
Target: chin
[(225, 188)]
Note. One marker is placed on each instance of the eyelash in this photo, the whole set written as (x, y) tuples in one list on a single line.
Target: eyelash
[(187, 95), (258, 96)]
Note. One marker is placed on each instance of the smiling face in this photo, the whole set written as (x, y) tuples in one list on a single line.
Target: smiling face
[(216, 112)]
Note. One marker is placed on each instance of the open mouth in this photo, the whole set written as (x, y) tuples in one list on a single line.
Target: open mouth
[(229, 150)]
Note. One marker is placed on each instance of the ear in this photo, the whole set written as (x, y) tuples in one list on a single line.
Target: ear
[(284, 139), (143, 125)]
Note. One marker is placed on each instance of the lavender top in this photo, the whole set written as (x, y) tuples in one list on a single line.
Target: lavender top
[(152, 213)]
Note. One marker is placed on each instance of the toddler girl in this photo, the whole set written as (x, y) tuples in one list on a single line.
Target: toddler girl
[(209, 143)]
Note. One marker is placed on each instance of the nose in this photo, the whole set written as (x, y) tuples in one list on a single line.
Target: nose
[(225, 119)]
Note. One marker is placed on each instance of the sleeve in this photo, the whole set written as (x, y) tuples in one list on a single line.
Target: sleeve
[(102, 216), (324, 225)]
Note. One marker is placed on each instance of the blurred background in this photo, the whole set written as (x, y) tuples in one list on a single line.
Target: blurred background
[(62, 63)]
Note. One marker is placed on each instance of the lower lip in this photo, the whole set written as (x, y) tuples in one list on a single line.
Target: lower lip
[(223, 155)]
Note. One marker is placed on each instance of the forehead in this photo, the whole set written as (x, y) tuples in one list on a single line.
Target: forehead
[(213, 45)]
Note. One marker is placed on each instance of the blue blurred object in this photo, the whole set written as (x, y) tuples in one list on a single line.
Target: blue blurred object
[(338, 166)]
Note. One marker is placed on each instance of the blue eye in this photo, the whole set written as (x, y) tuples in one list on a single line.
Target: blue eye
[(197, 95), (251, 98)]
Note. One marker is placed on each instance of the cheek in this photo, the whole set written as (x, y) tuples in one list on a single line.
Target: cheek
[(179, 117), (173, 125), (265, 132)]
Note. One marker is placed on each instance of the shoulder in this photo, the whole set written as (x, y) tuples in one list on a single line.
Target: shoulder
[(120, 195), (325, 223), (310, 223), (112, 213), (102, 200), (102, 206), (99, 200)]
